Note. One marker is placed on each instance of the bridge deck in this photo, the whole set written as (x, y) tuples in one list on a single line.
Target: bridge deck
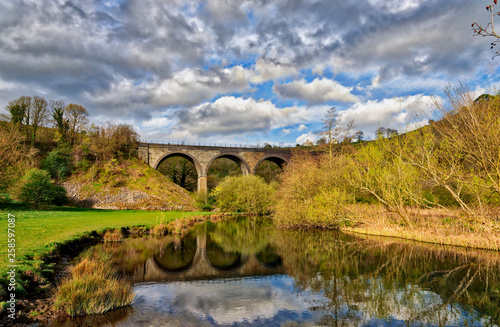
[(216, 146)]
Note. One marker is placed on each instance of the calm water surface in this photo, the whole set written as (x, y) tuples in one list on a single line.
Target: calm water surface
[(247, 273)]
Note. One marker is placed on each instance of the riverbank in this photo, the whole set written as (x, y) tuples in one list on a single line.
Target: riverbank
[(41, 234), (435, 226)]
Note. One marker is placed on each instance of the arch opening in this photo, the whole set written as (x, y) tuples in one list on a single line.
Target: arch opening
[(181, 169), (223, 166), (220, 259), (177, 257), (269, 168)]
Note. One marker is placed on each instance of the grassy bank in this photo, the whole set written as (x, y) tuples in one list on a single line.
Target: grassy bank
[(39, 231), (435, 226)]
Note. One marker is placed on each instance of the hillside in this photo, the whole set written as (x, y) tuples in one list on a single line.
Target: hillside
[(128, 184)]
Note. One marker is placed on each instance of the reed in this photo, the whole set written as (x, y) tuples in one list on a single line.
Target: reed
[(113, 235), (92, 287)]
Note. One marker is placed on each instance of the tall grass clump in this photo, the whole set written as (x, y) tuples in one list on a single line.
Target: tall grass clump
[(93, 287), (314, 192), (245, 194), (113, 235), (160, 229)]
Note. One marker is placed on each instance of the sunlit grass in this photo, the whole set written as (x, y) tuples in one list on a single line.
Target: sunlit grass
[(39, 231)]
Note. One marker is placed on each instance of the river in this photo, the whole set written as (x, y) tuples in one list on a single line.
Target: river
[(245, 272)]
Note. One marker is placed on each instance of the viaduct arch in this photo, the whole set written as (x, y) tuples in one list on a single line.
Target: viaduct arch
[(202, 156)]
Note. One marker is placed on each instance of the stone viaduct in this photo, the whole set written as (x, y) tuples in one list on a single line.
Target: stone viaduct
[(202, 156), (199, 267)]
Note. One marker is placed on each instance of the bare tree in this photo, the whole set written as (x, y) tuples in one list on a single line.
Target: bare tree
[(380, 132), (39, 113), (77, 120), (112, 140), (489, 29), (332, 131)]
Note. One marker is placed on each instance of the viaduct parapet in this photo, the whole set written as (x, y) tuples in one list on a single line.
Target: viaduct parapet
[(248, 159)]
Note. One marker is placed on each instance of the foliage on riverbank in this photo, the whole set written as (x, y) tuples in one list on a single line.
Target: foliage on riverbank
[(313, 193), (245, 194), (93, 287), (451, 165)]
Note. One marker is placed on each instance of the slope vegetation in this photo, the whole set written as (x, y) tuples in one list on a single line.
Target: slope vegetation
[(128, 184)]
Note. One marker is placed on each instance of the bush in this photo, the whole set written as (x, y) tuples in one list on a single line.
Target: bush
[(245, 194), (57, 163), (204, 202), (4, 198), (314, 193), (36, 188)]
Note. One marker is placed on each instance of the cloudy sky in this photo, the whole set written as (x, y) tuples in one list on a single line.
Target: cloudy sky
[(233, 71)]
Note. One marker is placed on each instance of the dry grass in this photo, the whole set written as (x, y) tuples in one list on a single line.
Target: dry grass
[(93, 287), (113, 235), (430, 225), (177, 225)]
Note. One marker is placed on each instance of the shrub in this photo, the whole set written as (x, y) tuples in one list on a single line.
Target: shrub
[(58, 163), (4, 198), (314, 193), (245, 194), (204, 202), (36, 188)]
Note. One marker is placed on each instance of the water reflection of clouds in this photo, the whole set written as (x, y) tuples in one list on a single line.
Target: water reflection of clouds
[(259, 301)]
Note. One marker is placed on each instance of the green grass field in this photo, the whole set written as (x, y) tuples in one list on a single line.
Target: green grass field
[(38, 230)]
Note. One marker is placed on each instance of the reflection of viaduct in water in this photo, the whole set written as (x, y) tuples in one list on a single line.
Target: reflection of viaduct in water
[(198, 259), (202, 156)]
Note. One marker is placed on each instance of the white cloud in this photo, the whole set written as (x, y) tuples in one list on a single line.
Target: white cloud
[(269, 70), (302, 127), (159, 122), (397, 113), (191, 86), (231, 115), (311, 137), (318, 91)]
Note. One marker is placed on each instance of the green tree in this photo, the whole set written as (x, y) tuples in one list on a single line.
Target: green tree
[(20, 109), (58, 162), (59, 117), (37, 189)]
